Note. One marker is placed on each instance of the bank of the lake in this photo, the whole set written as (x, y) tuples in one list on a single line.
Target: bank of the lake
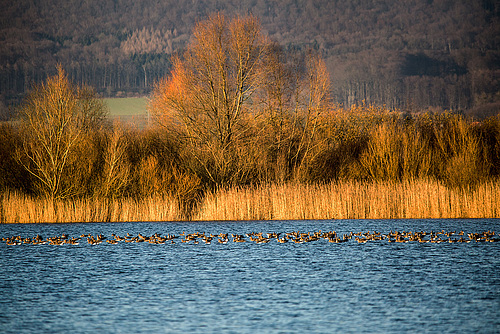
[(340, 200)]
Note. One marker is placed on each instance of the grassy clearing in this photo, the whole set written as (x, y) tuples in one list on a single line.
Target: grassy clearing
[(343, 200), (127, 106), (130, 111)]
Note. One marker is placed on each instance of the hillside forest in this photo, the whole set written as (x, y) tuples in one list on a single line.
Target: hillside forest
[(418, 55)]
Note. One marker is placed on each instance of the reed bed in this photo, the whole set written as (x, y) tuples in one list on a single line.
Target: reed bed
[(19, 208), (338, 200), (353, 200)]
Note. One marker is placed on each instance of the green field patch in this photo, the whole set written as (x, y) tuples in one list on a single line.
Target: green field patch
[(126, 106)]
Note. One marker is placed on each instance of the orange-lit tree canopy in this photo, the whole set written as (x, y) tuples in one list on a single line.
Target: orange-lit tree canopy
[(207, 90), (232, 83)]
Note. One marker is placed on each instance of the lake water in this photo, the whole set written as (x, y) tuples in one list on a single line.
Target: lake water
[(314, 287)]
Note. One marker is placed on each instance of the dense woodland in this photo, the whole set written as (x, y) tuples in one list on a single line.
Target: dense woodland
[(403, 54)]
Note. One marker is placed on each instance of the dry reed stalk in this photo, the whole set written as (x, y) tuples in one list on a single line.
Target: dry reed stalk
[(18, 208), (342, 200), (353, 200), (244, 203)]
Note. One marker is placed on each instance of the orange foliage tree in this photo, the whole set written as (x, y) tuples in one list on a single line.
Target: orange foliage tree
[(206, 94), (208, 88), (230, 77)]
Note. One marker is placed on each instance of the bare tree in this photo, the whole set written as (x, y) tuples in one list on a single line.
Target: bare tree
[(230, 75), (54, 117), (313, 100), (293, 98), (116, 171), (208, 90)]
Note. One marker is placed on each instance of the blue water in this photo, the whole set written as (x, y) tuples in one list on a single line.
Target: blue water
[(316, 287)]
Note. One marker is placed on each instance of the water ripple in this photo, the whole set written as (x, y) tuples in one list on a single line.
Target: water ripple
[(246, 287)]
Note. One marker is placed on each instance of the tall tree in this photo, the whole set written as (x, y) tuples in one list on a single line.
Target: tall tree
[(230, 74), (54, 117), (295, 95), (210, 86)]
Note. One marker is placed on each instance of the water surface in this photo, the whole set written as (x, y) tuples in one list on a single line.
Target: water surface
[(316, 287)]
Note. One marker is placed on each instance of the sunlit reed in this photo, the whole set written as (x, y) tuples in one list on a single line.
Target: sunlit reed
[(353, 200), (342, 200), (20, 208)]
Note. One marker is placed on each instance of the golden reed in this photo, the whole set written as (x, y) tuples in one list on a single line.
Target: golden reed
[(16, 208), (352, 200), (340, 200)]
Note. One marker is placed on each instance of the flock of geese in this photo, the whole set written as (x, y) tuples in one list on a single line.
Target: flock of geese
[(261, 238)]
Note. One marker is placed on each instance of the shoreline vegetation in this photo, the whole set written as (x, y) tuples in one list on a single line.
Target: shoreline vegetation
[(337, 200), (365, 162), (242, 129)]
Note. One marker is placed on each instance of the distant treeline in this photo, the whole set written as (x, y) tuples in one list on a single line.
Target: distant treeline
[(402, 54)]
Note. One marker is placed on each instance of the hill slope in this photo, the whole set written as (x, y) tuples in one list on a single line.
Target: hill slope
[(442, 53)]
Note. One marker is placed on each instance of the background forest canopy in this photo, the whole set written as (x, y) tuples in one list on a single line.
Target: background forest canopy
[(403, 54)]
